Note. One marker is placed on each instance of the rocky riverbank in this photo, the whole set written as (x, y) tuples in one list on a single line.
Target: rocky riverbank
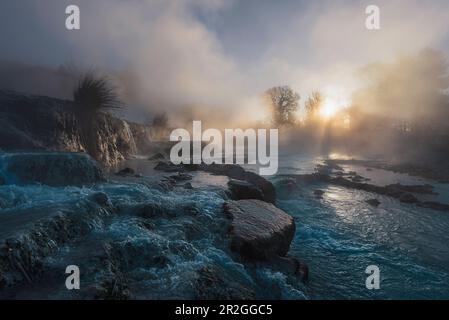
[(38, 123), (332, 173)]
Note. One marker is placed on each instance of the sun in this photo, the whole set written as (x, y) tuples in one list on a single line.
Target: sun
[(329, 108)]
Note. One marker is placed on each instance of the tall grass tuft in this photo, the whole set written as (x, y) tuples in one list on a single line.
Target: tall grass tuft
[(95, 94)]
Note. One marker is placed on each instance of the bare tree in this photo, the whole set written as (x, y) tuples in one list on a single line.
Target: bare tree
[(284, 103), (313, 104)]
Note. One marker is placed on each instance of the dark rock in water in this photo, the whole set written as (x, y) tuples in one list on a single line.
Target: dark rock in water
[(157, 156), (318, 193), (236, 172), (244, 190), (125, 172), (419, 189), (214, 283), (181, 177), (434, 205), (168, 167), (54, 169), (267, 188), (358, 178), (332, 164), (285, 187), (408, 198), (292, 266), (230, 170), (259, 230), (151, 211), (373, 202), (188, 186), (100, 198)]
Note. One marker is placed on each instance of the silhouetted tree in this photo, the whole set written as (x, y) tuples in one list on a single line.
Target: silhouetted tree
[(313, 104), (284, 103)]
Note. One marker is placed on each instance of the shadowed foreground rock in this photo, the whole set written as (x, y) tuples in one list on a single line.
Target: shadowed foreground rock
[(242, 190), (259, 230)]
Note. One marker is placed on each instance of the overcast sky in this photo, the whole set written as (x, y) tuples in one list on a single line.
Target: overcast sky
[(222, 53)]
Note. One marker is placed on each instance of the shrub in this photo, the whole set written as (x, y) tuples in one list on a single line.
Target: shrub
[(95, 94)]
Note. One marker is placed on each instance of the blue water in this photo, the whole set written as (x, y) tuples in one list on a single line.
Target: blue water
[(340, 235), (337, 236)]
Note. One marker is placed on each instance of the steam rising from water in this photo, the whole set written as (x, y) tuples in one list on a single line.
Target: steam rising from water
[(212, 59)]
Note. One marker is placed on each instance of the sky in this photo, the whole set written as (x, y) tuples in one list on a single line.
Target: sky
[(216, 57)]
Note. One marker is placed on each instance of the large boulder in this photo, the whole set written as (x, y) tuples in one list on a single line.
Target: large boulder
[(50, 168), (241, 190), (234, 171), (259, 230)]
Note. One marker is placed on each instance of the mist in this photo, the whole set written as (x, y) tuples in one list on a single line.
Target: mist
[(211, 60)]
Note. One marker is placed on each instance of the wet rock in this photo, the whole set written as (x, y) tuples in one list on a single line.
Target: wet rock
[(291, 266), (100, 198), (312, 178), (434, 205), (126, 172), (147, 225), (244, 190), (286, 187), (151, 211), (54, 169), (408, 198), (188, 186), (214, 283), (318, 193), (418, 189), (230, 170), (238, 173), (168, 167), (323, 169), (181, 177), (373, 202), (259, 230), (157, 156), (267, 188)]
